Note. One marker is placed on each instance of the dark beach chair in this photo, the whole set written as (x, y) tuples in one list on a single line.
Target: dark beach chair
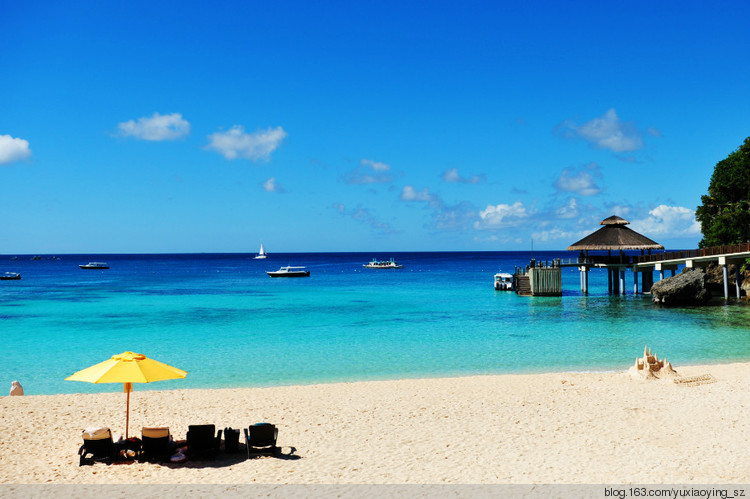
[(156, 444), (231, 440), (202, 440), (97, 446), (261, 439)]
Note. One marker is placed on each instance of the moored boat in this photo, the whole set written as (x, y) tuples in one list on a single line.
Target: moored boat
[(290, 272), (10, 276), (94, 266), (503, 282), (382, 264)]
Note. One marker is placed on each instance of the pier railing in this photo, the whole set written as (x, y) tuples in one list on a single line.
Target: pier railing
[(595, 260), (675, 255)]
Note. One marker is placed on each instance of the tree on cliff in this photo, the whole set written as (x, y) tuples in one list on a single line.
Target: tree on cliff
[(725, 212)]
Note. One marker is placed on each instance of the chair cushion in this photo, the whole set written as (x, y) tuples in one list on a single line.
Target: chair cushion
[(97, 433), (155, 432)]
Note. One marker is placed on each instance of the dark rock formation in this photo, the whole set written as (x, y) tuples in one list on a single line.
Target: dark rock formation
[(685, 289), (715, 279)]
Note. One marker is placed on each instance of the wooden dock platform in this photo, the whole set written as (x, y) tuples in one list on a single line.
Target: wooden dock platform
[(538, 281)]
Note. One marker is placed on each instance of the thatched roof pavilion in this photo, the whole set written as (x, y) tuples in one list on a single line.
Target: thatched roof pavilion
[(614, 236)]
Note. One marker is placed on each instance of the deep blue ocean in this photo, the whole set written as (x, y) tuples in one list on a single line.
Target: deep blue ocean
[(222, 319)]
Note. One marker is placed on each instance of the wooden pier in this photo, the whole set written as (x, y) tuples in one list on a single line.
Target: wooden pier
[(544, 279), (645, 265)]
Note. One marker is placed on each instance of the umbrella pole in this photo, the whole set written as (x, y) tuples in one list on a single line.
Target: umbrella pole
[(128, 389)]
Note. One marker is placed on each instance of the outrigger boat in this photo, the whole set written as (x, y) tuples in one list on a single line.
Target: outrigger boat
[(382, 264)]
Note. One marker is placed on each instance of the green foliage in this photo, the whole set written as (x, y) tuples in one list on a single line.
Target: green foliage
[(724, 214)]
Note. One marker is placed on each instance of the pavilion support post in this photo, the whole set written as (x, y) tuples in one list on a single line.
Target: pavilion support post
[(673, 272), (580, 277), (661, 274), (586, 280), (622, 282), (737, 280), (726, 281), (609, 280), (635, 281), (648, 281)]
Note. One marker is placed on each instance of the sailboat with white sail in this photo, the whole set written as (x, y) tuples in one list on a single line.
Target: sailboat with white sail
[(262, 253)]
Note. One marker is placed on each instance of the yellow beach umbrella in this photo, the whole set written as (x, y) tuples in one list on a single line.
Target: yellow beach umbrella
[(127, 368)]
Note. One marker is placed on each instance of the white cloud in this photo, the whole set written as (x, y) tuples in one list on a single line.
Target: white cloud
[(582, 182), (501, 216), (608, 132), (235, 143), (668, 221), (157, 127), (457, 217), (13, 149), (375, 165), (569, 210), (452, 176), (408, 193), (363, 216), (270, 185), (552, 235), (369, 172)]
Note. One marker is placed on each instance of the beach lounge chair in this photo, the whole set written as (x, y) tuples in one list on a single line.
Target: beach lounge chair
[(261, 439), (97, 446), (156, 444), (231, 440), (202, 440)]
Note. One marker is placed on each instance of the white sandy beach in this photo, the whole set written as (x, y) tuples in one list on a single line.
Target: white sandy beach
[(546, 428)]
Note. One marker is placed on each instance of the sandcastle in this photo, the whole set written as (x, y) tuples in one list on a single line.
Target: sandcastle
[(650, 367)]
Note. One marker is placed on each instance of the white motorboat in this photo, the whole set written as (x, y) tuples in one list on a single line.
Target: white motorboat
[(382, 264), (503, 282), (10, 276), (290, 272), (94, 266), (262, 253)]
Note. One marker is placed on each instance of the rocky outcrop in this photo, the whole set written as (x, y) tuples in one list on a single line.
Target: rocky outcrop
[(715, 280), (685, 289)]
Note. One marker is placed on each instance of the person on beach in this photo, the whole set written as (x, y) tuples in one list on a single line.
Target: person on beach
[(16, 388)]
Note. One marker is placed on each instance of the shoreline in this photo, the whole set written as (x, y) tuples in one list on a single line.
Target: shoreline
[(154, 387), (560, 427)]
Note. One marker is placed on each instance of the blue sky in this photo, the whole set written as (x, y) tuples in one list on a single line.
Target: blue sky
[(362, 126)]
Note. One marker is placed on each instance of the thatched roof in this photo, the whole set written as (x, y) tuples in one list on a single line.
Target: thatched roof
[(614, 220), (614, 236)]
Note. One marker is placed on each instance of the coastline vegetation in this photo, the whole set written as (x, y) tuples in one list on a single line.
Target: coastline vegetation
[(724, 213)]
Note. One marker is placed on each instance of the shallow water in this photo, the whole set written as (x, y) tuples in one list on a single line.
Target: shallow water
[(222, 319)]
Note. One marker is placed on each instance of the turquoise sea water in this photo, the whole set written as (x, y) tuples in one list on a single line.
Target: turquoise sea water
[(222, 319)]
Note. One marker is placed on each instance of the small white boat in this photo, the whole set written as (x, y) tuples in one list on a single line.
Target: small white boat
[(262, 253), (290, 272), (503, 282), (95, 266), (10, 276), (382, 264)]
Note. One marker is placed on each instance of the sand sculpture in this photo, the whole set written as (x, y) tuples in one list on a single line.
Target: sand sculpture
[(650, 367), (16, 389)]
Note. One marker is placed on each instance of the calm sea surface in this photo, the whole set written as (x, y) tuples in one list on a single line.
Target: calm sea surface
[(222, 319)]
